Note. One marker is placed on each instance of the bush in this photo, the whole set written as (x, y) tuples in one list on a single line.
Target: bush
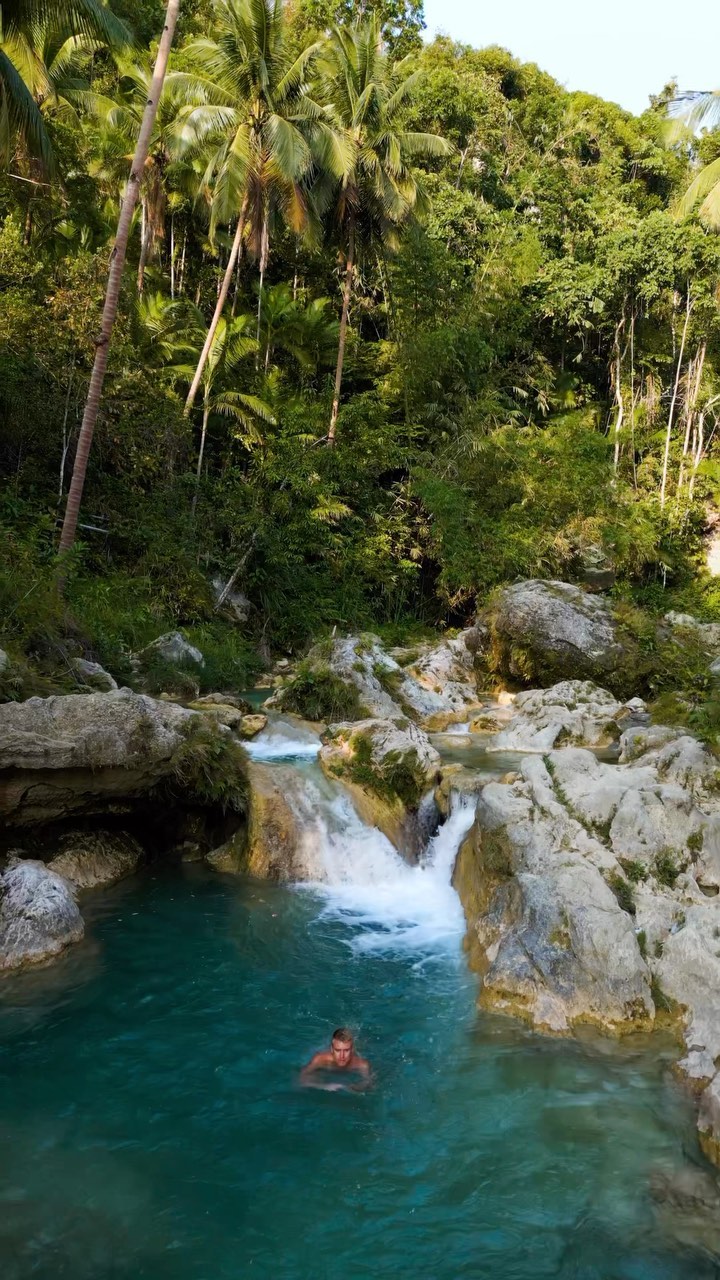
[(210, 767), (316, 693), (623, 892)]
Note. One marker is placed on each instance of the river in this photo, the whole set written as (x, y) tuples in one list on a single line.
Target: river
[(152, 1126)]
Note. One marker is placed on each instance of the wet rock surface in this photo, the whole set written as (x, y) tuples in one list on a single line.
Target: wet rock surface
[(39, 916), (94, 859)]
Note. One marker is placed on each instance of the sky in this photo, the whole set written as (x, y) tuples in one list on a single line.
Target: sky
[(622, 50)]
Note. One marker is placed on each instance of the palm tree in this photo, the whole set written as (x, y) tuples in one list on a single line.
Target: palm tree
[(703, 109), (378, 191), (303, 329), (176, 330), (171, 141), (268, 132), (112, 294), (39, 41)]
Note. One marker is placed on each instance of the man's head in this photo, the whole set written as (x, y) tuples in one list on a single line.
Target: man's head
[(341, 1047)]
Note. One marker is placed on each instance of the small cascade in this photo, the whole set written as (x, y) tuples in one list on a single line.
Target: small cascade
[(364, 881), (283, 739)]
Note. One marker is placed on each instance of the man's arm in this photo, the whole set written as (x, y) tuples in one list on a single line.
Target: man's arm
[(316, 1063)]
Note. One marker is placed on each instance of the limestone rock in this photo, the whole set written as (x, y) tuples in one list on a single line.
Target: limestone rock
[(94, 859), (580, 880), (172, 648), (573, 711), (93, 675), (4, 661), (250, 726), (235, 603), (222, 700), (39, 916), (436, 690), (544, 631), (226, 715), (387, 766), (545, 929), (707, 632), (273, 846), (83, 752)]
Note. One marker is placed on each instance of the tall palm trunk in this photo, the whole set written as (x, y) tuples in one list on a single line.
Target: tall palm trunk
[(264, 255), (350, 263), (671, 414), (117, 262), (221, 298)]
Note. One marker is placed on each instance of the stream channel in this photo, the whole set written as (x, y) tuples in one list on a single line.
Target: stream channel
[(151, 1123)]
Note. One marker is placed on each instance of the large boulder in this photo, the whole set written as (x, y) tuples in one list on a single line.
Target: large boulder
[(545, 929), (93, 675), (592, 893), (171, 648), (434, 690), (573, 711), (84, 753), (39, 916), (388, 766), (541, 632), (95, 859)]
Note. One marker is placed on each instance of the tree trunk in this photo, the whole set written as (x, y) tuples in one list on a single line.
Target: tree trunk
[(182, 263), (224, 289), (264, 255), (172, 255), (671, 414), (198, 473), (145, 233), (350, 263), (117, 262)]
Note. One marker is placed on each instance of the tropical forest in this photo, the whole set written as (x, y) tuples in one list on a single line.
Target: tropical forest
[(359, 653)]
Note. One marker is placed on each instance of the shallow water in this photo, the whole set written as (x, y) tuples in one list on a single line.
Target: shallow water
[(151, 1124)]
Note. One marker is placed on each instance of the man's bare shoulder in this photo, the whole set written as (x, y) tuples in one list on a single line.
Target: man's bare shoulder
[(360, 1064), (319, 1060)]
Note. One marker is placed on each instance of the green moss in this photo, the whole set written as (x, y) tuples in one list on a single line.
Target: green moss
[(209, 767), (623, 892), (400, 777), (642, 943), (316, 693), (560, 937), (663, 1002), (658, 948), (695, 842)]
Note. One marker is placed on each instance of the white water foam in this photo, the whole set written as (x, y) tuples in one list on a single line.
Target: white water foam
[(283, 739), (364, 881)]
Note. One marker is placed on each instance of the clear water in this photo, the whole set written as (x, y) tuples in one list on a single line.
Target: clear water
[(151, 1124)]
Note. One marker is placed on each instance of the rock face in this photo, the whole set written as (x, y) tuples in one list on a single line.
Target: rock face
[(80, 753), (272, 846), (542, 631), (39, 917), (387, 766), (574, 711), (591, 893), (437, 689), (94, 859)]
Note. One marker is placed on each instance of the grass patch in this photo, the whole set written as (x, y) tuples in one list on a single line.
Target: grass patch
[(666, 869), (209, 767), (400, 777), (623, 892), (636, 872), (316, 693)]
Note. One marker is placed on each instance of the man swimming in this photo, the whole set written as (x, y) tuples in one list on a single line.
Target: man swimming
[(340, 1057)]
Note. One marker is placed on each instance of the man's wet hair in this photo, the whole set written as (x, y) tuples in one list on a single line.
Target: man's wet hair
[(343, 1035)]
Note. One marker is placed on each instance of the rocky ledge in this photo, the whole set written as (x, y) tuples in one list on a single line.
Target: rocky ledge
[(591, 896)]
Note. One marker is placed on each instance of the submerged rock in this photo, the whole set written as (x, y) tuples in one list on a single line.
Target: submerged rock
[(94, 859), (543, 631), (39, 916), (276, 844)]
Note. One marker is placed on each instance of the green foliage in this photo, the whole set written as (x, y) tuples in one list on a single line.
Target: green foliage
[(666, 869), (209, 767), (399, 777), (642, 943), (316, 693), (635, 871), (623, 892)]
